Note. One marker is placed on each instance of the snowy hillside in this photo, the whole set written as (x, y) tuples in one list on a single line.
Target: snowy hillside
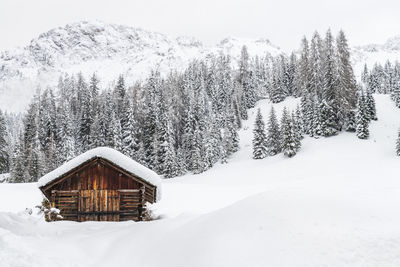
[(375, 53), (109, 50), (336, 203)]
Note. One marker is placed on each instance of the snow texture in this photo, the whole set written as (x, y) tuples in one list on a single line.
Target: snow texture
[(112, 155), (336, 203)]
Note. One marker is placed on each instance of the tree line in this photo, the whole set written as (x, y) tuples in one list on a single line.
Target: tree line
[(384, 80), (331, 100), (187, 121)]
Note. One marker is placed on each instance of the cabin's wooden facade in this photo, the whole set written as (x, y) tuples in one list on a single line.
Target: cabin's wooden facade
[(99, 190)]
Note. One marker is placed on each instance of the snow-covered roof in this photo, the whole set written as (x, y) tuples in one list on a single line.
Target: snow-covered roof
[(111, 155)]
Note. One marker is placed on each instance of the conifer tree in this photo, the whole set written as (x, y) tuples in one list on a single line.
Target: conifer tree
[(4, 157), (330, 105), (245, 79), (259, 137), (296, 126), (398, 144), (273, 140), (345, 80), (362, 118), (290, 142), (350, 122), (17, 163), (316, 121), (129, 134), (370, 105), (304, 69)]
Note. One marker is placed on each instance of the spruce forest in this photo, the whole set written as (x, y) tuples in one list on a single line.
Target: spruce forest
[(188, 121)]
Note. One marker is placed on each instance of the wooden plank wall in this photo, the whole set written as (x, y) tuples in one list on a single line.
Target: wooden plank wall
[(101, 205), (67, 203), (98, 205), (97, 176)]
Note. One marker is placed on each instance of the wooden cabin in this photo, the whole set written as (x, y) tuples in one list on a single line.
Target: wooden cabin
[(101, 185)]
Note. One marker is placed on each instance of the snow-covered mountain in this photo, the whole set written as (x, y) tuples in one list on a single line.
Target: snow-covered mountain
[(111, 50), (376, 53), (107, 49)]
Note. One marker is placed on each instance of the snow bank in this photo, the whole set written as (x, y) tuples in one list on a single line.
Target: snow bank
[(18, 197), (112, 155)]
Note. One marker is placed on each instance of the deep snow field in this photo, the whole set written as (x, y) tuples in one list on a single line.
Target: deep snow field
[(336, 203)]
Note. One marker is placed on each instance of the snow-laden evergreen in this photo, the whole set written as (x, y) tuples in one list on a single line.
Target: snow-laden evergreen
[(273, 140), (259, 137), (4, 156), (188, 121), (362, 117), (290, 138)]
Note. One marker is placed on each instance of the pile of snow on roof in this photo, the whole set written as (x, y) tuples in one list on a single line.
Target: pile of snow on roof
[(112, 155)]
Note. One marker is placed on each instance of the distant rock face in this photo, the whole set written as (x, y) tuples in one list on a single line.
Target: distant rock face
[(109, 50)]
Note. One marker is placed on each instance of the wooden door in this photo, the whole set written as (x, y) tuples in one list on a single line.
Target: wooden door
[(98, 205)]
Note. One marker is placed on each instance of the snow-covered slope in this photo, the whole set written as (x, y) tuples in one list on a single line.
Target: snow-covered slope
[(336, 203), (109, 50), (375, 53)]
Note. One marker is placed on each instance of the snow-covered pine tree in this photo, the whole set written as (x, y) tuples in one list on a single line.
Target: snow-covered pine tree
[(119, 94), (316, 121), (259, 137), (296, 130), (273, 139), (297, 125), (232, 144), (330, 104), (346, 86), (398, 144), (86, 121), (303, 76), (307, 111), (395, 95), (350, 121), (17, 170), (365, 75), (128, 131), (4, 156), (65, 143), (277, 92), (238, 120), (315, 65), (245, 79), (114, 139), (328, 119), (166, 156), (370, 105), (362, 118), (290, 142), (94, 93)]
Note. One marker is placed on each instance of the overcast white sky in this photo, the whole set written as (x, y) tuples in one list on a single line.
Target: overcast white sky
[(284, 22)]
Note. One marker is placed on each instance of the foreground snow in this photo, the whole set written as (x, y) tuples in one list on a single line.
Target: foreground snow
[(335, 204)]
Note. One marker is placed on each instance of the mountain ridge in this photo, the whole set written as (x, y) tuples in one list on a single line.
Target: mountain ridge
[(112, 49), (109, 50)]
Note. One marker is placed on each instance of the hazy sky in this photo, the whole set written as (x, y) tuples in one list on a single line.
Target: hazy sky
[(284, 22)]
